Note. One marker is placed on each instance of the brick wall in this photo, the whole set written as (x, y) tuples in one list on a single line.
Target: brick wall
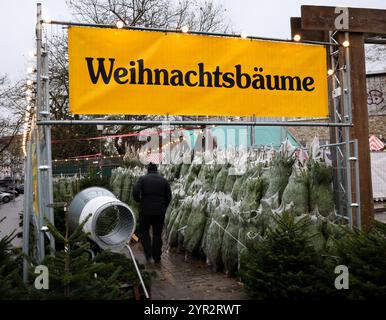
[(376, 104), (377, 126)]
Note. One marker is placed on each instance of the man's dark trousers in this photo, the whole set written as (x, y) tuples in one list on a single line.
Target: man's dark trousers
[(151, 248), (153, 193)]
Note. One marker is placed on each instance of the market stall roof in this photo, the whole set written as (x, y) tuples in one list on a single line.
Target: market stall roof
[(375, 143)]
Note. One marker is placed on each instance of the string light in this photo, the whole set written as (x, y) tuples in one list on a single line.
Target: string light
[(346, 43), (77, 159), (31, 70), (185, 29), (47, 20), (120, 24), (146, 152), (29, 82), (330, 72), (297, 37), (243, 35)]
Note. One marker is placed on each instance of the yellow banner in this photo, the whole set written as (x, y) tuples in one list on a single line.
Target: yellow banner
[(114, 71)]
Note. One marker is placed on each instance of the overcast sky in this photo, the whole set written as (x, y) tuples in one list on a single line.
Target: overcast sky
[(256, 17)]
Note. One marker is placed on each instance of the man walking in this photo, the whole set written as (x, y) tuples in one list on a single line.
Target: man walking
[(154, 194)]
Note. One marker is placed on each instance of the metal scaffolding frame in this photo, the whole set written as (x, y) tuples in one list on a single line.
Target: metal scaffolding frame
[(345, 157), (340, 122)]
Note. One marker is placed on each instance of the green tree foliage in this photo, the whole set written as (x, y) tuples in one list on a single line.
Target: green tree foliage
[(78, 273), (93, 179), (285, 265), (364, 253), (11, 284)]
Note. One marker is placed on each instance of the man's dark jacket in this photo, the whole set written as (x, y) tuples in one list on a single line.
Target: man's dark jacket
[(154, 194)]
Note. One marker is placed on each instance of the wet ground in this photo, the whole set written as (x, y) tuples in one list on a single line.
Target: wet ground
[(178, 279)]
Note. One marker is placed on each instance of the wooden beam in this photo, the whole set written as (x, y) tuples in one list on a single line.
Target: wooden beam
[(306, 35), (360, 19)]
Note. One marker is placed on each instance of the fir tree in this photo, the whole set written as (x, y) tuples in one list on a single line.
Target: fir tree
[(364, 253), (75, 273), (11, 284), (285, 264)]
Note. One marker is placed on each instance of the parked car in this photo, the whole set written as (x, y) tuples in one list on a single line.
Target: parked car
[(5, 197), (20, 189), (10, 190)]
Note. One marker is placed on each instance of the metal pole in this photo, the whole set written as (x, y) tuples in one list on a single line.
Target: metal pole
[(138, 272), (80, 24), (37, 135), (196, 123), (48, 153), (347, 117), (336, 133), (27, 209), (357, 187)]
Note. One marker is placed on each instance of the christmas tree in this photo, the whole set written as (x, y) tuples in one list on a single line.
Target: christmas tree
[(11, 284), (285, 264), (76, 272), (364, 254)]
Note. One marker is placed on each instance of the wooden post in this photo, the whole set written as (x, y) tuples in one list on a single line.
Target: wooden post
[(361, 124)]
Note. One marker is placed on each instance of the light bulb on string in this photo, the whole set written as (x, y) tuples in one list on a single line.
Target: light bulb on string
[(120, 24), (244, 35), (346, 43), (185, 29), (47, 20), (297, 37)]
